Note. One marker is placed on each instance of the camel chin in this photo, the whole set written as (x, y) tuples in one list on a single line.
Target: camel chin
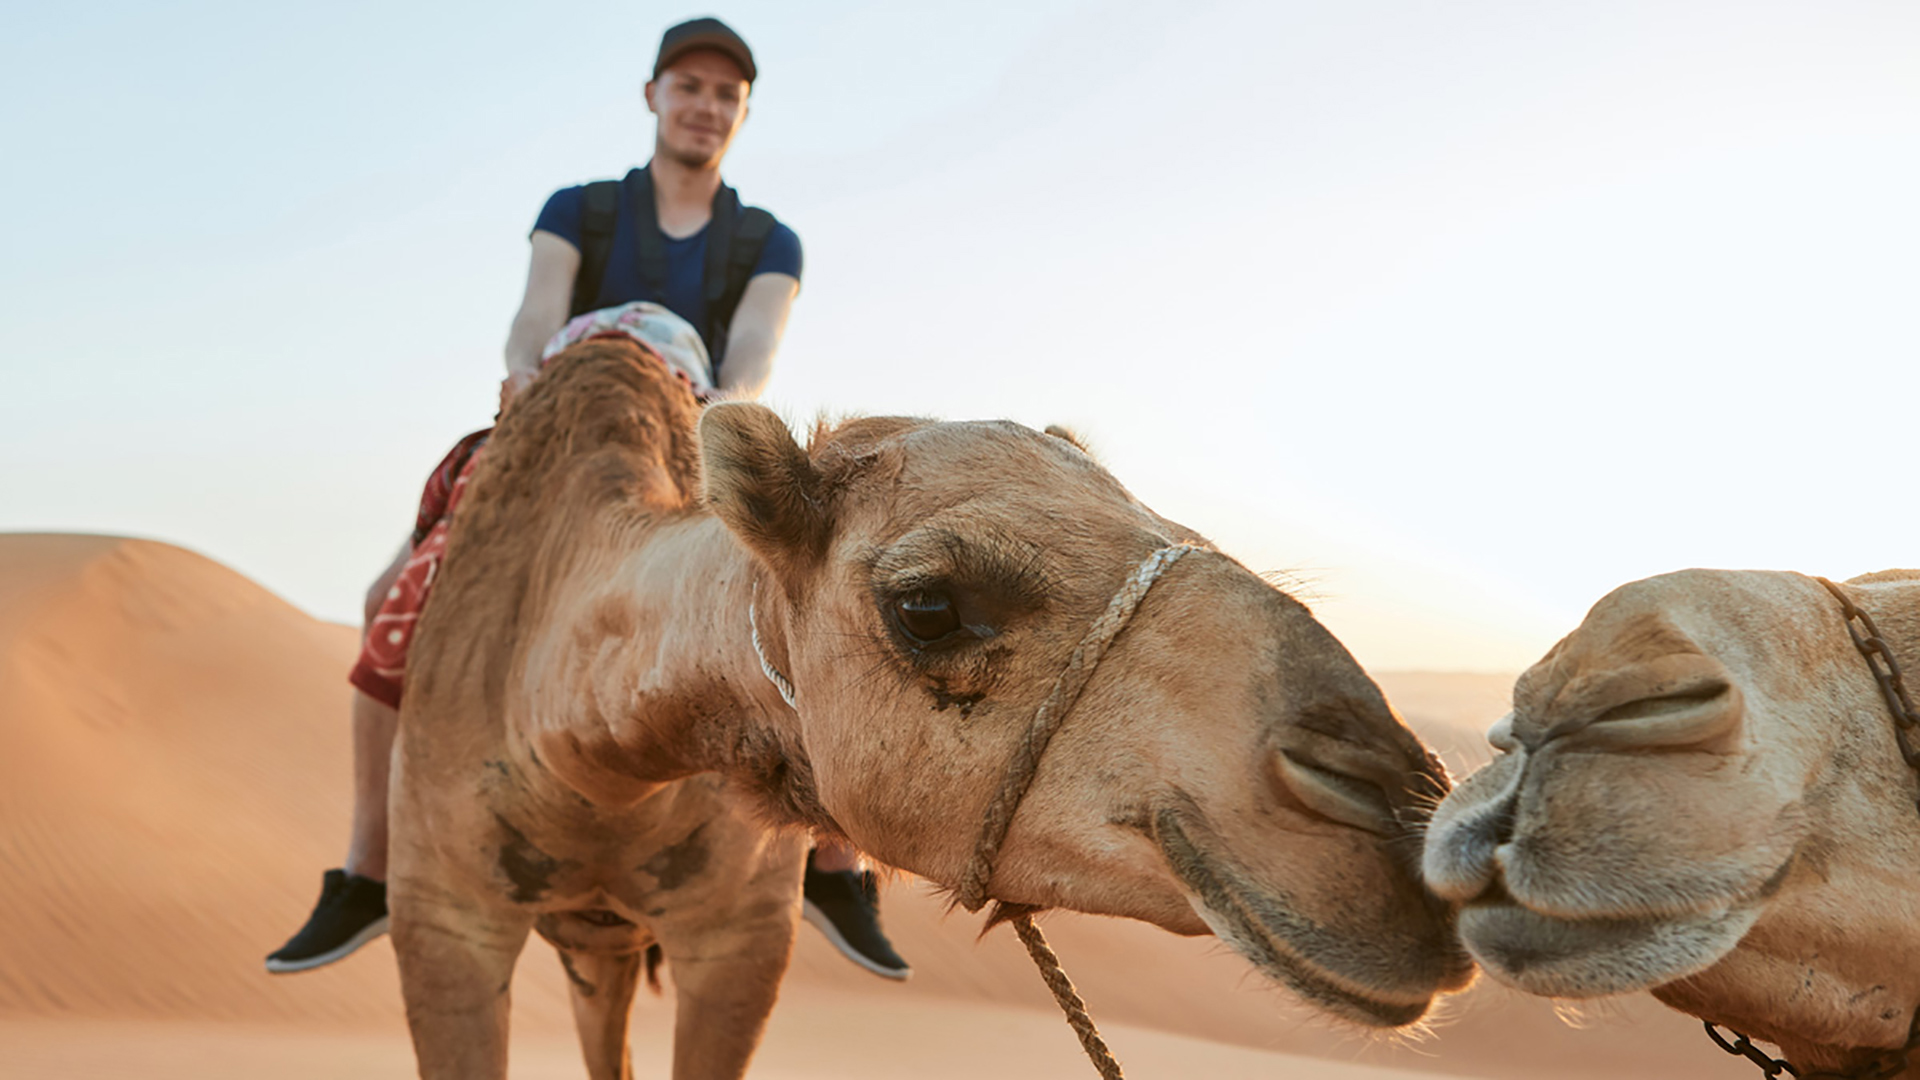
[(1365, 982)]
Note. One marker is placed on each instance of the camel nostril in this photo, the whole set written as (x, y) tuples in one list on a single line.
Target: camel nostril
[(1502, 736), (1461, 859), (1336, 795), (1468, 864)]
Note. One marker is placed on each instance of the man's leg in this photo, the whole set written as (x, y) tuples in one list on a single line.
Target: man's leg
[(842, 901), (352, 909), (833, 857), (374, 725)]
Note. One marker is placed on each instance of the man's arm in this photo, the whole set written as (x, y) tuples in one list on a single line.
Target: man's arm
[(543, 310), (758, 324)]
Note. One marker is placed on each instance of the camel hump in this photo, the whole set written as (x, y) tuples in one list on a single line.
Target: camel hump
[(1882, 577)]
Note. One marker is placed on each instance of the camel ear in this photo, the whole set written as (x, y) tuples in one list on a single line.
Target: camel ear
[(1068, 435), (761, 485)]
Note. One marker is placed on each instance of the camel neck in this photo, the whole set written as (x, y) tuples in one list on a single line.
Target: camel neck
[(649, 673)]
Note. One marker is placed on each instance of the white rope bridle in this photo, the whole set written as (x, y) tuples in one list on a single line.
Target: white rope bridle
[(779, 681)]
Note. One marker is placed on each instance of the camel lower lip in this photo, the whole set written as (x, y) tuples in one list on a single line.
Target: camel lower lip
[(1222, 904), (1582, 958), (1278, 962)]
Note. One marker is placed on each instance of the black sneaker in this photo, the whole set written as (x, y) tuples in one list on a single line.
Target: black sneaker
[(352, 911), (845, 906)]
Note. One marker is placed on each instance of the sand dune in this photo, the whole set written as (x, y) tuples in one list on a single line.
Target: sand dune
[(173, 778)]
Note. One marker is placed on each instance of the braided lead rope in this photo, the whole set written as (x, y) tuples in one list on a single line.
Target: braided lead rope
[(1021, 769), (1051, 714), (1056, 979), (772, 673)]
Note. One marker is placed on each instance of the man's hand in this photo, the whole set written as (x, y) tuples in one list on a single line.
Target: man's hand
[(543, 310), (511, 386)]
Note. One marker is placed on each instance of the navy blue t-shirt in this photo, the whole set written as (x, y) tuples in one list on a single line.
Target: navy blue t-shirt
[(685, 291)]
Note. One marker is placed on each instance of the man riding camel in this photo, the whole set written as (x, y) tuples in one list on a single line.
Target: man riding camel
[(672, 258)]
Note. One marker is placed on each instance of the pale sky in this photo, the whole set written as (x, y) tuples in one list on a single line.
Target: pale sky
[(1462, 313)]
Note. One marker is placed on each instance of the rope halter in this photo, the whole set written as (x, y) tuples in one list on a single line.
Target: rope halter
[(1051, 714), (1020, 771)]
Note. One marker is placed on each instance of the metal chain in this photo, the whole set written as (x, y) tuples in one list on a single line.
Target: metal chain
[(1741, 1046), (1884, 1065), (1886, 671), (1887, 1064)]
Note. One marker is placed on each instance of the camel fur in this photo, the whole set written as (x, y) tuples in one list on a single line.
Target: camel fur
[(589, 749)]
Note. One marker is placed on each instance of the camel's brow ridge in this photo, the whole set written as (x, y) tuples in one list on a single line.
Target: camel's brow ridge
[(1012, 567)]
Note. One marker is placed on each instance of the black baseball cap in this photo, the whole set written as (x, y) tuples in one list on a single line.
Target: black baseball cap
[(705, 33)]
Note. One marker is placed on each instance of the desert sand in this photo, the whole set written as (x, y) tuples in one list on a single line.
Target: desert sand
[(174, 777)]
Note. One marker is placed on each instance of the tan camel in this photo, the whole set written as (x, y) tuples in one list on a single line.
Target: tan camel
[(1701, 795), (589, 662)]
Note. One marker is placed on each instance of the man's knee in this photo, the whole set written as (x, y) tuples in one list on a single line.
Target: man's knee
[(382, 587)]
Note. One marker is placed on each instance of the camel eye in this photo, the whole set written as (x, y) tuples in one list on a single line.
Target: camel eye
[(926, 617)]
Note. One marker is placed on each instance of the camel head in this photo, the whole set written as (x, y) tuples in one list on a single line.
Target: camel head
[(1227, 768), (1699, 793)]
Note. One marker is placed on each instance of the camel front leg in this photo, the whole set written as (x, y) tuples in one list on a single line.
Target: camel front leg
[(725, 984), (456, 975), (602, 987)]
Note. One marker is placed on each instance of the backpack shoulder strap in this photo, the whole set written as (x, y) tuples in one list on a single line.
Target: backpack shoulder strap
[(732, 254), (749, 239), (648, 239), (602, 207), (720, 229)]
